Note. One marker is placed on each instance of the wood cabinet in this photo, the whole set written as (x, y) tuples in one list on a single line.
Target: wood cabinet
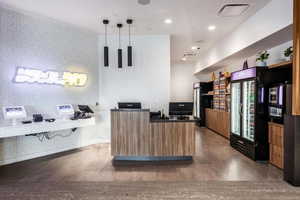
[(276, 142), (296, 59), (133, 134), (130, 133), (172, 139), (218, 121)]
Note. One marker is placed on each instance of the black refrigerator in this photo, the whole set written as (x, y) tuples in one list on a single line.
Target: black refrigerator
[(202, 100), (249, 113)]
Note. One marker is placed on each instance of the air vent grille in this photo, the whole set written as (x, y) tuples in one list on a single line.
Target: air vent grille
[(231, 10)]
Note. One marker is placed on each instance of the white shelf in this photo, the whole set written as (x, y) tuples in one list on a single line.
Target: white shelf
[(8, 130)]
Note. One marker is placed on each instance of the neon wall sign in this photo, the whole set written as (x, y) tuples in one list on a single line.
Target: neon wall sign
[(26, 75)]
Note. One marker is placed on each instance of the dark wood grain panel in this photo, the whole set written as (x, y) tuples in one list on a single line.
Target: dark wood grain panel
[(218, 121), (173, 139), (276, 141), (296, 59), (132, 134)]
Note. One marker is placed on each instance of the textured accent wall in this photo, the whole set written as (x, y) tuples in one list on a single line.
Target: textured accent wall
[(38, 42)]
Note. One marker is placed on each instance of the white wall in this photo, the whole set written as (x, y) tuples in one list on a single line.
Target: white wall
[(38, 42), (182, 79), (148, 81), (275, 16), (276, 56)]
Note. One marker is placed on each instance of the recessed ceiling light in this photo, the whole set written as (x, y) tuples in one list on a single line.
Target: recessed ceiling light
[(194, 48), (183, 59), (212, 27), (168, 21), (200, 41), (144, 2)]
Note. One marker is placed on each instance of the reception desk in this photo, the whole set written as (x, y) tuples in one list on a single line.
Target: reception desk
[(134, 136)]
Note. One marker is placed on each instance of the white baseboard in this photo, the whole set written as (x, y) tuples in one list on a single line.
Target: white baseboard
[(53, 151)]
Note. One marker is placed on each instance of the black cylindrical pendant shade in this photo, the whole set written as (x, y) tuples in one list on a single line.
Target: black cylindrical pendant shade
[(129, 55), (120, 64), (106, 57)]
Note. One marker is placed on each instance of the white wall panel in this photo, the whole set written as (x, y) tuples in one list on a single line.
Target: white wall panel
[(39, 42)]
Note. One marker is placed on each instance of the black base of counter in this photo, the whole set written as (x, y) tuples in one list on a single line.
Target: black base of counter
[(160, 160)]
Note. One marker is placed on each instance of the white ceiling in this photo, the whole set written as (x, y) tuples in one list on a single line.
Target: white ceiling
[(190, 17)]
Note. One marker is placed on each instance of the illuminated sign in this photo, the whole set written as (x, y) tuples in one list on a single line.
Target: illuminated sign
[(25, 75)]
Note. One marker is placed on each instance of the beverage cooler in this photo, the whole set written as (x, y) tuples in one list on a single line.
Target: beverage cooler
[(249, 113), (201, 101)]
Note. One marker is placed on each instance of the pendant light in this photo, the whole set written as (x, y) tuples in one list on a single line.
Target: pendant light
[(129, 49), (106, 49), (120, 64)]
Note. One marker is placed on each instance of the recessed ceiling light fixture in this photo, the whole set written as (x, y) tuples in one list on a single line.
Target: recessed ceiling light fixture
[(194, 48), (183, 59), (212, 28), (168, 21), (144, 2)]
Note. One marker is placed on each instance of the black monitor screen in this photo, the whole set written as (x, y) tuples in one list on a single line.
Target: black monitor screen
[(181, 108), (130, 105), (85, 108)]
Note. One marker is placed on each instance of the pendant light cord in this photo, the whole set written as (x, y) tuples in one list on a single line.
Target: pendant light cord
[(119, 38), (129, 35), (105, 35)]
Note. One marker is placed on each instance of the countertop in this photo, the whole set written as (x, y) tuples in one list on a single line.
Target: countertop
[(171, 120), (130, 110), (154, 120)]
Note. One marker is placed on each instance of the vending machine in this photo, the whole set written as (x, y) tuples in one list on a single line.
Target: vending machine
[(202, 100), (249, 113), (277, 95)]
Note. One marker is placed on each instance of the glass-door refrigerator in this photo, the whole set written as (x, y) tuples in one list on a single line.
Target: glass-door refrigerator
[(202, 100), (249, 113)]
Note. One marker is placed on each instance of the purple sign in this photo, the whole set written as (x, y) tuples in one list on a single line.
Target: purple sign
[(196, 85), (281, 95), (244, 74), (262, 95)]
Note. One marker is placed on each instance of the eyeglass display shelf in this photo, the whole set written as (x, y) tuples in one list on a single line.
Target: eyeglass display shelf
[(8, 130)]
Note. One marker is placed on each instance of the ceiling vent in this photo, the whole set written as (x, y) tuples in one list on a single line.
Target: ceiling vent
[(190, 54), (232, 10)]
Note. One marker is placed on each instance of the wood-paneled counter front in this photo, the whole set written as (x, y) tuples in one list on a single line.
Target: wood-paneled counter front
[(218, 121), (276, 136), (134, 134)]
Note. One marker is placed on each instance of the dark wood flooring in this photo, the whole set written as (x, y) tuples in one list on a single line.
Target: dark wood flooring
[(215, 161)]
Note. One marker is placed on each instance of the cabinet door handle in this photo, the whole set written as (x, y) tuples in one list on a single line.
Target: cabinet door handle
[(241, 109)]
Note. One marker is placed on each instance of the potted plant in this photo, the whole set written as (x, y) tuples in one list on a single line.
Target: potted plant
[(288, 54), (262, 58)]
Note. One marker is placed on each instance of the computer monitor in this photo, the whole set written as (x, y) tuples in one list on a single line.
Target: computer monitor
[(181, 108), (14, 112), (65, 110), (85, 109), (130, 105)]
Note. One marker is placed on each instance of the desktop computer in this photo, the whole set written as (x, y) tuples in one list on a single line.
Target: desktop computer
[(181, 110)]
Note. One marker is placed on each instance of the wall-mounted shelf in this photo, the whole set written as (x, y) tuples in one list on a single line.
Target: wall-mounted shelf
[(7, 130), (282, 64)]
